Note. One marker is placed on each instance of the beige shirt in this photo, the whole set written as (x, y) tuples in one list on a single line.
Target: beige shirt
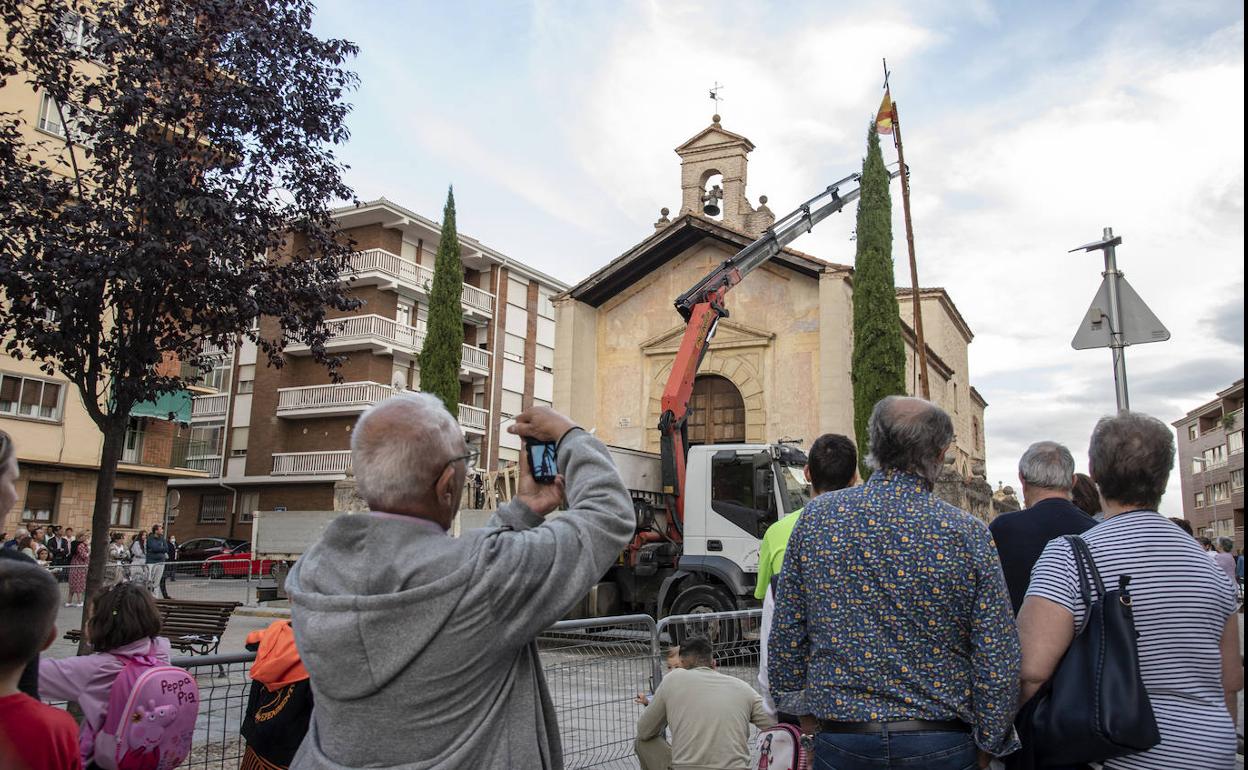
[(710, 715)]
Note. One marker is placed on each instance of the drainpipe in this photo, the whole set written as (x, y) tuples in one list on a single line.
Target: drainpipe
[(496, 369)]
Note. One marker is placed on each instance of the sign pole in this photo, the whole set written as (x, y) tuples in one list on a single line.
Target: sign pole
[(1117, 344)]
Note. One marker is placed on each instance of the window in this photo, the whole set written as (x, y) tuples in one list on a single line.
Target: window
[(132, 449), (218, 377), (1237, 479), (213, 508), (1220, 492), (545, 308), (1200, 499), (513, 347), (975, 432), (246, 378), (30, 397), (40, 502), (1198, 465), (1235, 442), (741, 491), (512, 403), (1192, 432), (1215, 457), (125, 503), (248, 504), (50, 122), (79, 33), (238, 443), (544, 358)]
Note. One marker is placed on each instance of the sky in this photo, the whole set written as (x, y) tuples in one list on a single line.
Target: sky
[(1028, 128)]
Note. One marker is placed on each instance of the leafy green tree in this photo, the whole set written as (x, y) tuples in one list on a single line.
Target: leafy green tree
[(443, 350), (178, 191), (879, 363)]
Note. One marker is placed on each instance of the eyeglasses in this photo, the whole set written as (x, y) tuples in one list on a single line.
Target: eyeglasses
[(470, 459)]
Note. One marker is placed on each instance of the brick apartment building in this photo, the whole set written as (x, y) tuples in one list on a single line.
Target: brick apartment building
[(280, 438), (1211, 465)]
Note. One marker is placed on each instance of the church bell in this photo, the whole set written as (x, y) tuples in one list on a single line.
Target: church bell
[(711, 200)]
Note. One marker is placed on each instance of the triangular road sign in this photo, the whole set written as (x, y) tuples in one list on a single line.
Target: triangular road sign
[(1139, 325)]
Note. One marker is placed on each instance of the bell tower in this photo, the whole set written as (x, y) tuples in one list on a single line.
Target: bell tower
[(712, 179)]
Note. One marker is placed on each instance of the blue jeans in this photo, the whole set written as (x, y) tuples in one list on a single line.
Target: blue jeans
[(913, 751)]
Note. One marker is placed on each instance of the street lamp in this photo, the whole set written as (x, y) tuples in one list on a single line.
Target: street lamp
[(1204, 477)]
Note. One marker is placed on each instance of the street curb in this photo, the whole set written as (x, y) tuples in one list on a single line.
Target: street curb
[(263, 612)]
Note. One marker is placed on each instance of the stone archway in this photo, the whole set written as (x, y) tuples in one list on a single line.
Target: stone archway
[(741, 365), (717, 412)]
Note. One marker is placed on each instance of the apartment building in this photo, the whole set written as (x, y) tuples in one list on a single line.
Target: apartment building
[(279, 438), (1211, 465), (57, 444)]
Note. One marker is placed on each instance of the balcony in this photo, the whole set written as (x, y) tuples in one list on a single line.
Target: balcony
[(385, 336), (209, 407), (312, 463), (349, 398), (210, 464), (379, 267)]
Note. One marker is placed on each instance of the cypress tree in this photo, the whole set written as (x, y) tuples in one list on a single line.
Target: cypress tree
[(879, 362), (442, 351)]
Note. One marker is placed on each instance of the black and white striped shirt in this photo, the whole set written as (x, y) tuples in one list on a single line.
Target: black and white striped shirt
[(1181, 602)]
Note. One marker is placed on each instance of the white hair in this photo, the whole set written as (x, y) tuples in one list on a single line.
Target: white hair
[(1049, 465), (399, 448)]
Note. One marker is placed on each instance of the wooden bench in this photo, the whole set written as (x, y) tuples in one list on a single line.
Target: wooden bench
[(192, 627)]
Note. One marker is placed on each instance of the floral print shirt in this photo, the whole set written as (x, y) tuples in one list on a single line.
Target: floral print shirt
[(891, 606)]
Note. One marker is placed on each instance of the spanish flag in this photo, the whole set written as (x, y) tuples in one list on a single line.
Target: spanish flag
[(884, 118)]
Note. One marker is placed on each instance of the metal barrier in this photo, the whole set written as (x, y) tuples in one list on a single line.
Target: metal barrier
[(215, 580), (594, 669)]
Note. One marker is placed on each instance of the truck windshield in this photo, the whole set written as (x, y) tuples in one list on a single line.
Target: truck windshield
[(795, 488)]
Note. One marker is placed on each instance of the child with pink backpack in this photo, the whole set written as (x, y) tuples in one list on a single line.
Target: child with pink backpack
[(138, 711)]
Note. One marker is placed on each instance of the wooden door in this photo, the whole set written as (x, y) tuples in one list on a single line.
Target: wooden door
[(718, 412)]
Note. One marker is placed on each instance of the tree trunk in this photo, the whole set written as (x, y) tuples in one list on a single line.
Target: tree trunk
[(105, 483)]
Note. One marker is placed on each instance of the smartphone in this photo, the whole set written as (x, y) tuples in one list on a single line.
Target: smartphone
[(543, 463)]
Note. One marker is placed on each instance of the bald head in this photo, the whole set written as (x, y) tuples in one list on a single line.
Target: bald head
[(399, 450), (909, 435)]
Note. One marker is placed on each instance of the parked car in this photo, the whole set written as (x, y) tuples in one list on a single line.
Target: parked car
[(204, 548), (235, 563)]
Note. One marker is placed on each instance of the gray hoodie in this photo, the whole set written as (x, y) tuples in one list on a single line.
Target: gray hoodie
[(421, 646)]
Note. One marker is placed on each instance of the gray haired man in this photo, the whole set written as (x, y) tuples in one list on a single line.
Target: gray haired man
[(421, 646), (1047, 473)]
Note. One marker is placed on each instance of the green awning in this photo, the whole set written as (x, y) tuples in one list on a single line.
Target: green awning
[(174, 405)]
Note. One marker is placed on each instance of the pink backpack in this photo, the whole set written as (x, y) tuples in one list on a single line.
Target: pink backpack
[(780, 748), (150, 719)]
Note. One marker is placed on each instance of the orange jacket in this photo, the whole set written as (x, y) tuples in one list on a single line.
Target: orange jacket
[(277, 661)]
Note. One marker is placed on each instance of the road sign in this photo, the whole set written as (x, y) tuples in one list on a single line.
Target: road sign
[(1139, 325)]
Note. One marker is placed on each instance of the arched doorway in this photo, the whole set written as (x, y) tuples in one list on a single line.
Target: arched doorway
[(718, 412)]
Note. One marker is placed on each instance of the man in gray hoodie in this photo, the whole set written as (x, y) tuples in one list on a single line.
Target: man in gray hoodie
[(421, 647)]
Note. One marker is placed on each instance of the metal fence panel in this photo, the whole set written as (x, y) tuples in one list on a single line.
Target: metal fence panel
[(594, 670)]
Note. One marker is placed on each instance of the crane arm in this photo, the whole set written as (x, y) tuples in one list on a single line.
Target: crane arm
[(702, 307)]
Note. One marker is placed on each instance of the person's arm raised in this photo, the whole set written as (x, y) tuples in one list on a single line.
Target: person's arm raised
[(534, 575)]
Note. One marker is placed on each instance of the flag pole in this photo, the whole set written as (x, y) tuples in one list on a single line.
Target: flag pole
[(924, 388)]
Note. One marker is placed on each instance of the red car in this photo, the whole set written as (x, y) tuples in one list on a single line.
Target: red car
[(234, 563)]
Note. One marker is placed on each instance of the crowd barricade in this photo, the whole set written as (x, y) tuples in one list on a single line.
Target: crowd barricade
[(205, 581), (594, 670)]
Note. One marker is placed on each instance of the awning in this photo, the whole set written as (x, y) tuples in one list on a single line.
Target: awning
[(174, 405)]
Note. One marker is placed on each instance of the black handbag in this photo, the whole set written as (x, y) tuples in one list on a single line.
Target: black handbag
[(1094, 707)]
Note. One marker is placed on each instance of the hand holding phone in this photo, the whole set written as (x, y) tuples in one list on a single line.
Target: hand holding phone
[(543, 460)]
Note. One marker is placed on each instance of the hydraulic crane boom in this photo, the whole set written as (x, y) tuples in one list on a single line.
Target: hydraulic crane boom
[(702, 307)]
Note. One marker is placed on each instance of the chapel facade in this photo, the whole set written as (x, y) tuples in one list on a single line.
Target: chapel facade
[(778, 367)]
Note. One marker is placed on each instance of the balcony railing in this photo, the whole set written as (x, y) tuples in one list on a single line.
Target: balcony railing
[(417, 277), (387, 334), (211, 464), (209, 406), (473, 417), (353, 398), (311, 463)]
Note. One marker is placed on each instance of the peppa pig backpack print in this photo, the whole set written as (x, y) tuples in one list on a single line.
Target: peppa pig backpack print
[(151, 718)]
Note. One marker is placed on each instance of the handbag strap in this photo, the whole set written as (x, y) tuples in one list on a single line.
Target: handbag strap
[(1085, 565)]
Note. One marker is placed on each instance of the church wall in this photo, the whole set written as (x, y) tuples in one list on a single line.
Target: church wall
[(775, 363), (836, 350), (943, 335)]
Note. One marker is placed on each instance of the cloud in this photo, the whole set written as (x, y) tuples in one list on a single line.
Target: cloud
[(1227, 321)]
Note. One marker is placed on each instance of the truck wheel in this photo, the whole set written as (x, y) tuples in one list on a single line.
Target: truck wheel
[(704, 599)]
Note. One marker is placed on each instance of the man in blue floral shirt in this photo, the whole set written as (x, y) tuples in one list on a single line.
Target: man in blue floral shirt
[(893, 629)]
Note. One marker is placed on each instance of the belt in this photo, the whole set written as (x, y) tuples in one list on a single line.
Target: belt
[(903, 726)]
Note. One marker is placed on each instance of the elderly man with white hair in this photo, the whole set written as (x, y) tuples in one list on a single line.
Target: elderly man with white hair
[(420, 646), (1047, 474)]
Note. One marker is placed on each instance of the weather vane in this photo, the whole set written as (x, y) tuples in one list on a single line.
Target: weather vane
[(715, 97)]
